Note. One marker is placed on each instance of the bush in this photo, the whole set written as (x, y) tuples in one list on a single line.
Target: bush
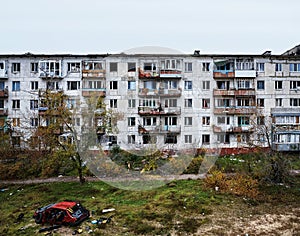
[(194, 166), (238, 184)]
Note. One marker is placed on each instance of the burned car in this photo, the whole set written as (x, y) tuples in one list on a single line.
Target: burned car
[(62, 213)]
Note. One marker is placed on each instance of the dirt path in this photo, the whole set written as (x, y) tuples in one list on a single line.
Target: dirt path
[(92, 179)]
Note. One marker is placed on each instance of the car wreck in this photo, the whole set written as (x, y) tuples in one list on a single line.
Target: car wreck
[(62, 213)]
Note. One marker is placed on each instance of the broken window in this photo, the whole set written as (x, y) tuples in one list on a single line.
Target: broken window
[(73, 85), (149, 66), (205, 138), (74, 67), (16, 67), (205, 66), (171, 139), (131, 66)]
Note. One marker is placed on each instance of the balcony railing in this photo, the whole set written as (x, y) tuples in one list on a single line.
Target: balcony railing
[(93, 74), (148, 74), (233, 92), (160, 129), (224, 74), (235, 110), (160, 92), (232, 129), (93, 92), (144, 111), (170, 73)]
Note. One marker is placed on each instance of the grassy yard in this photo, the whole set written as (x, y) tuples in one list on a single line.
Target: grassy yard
[(182, 207)]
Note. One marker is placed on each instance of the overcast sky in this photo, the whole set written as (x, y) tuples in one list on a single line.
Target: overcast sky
[(112, 26)]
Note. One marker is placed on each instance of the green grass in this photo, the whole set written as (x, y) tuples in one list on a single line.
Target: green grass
[(181, 207)]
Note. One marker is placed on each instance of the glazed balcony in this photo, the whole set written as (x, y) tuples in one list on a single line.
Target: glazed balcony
[(144, 92), (224, 74), (4, 93), (93, 74), (93, 92), (235, 110), (286, 147), (150, 111), (234, 92)]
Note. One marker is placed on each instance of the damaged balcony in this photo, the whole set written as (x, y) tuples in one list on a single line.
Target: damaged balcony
[(148, 74), (150, 111), (160, 129), (92, 69), (86, 92), (235, 110), (223, 69), (3, 112), (234, 92), (232, 129), (4, 93)]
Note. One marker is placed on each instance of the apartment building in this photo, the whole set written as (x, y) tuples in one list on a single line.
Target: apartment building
[(174, 101)]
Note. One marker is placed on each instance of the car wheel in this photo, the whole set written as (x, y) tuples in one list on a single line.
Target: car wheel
[(38, 218)]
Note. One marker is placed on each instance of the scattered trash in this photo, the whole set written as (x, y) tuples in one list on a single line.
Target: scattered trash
[(108, 210), (77, 231), (20, 217), (3, 189), (49, 228)]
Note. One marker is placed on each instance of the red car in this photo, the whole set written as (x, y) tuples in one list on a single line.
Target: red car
[(62, 213)]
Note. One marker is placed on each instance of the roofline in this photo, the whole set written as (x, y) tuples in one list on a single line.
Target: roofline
[(213, 56)]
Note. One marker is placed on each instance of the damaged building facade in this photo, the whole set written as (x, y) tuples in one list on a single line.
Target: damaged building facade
[(175, 101)]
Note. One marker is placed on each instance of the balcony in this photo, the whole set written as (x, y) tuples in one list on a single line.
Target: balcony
[(245, 73), (285, 111), (3, 111), (93, 74), (93, 92), (234, 92), (3, 74), (286, 147), (232, 129), (50, 75), (160, 129), (235, 110), (170, 73), (150, 111), (144, 92), (4, 93), (148, 74), (224, 74), (42, 110)]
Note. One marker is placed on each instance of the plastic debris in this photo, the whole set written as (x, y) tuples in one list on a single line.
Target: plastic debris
[(108, 210)]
